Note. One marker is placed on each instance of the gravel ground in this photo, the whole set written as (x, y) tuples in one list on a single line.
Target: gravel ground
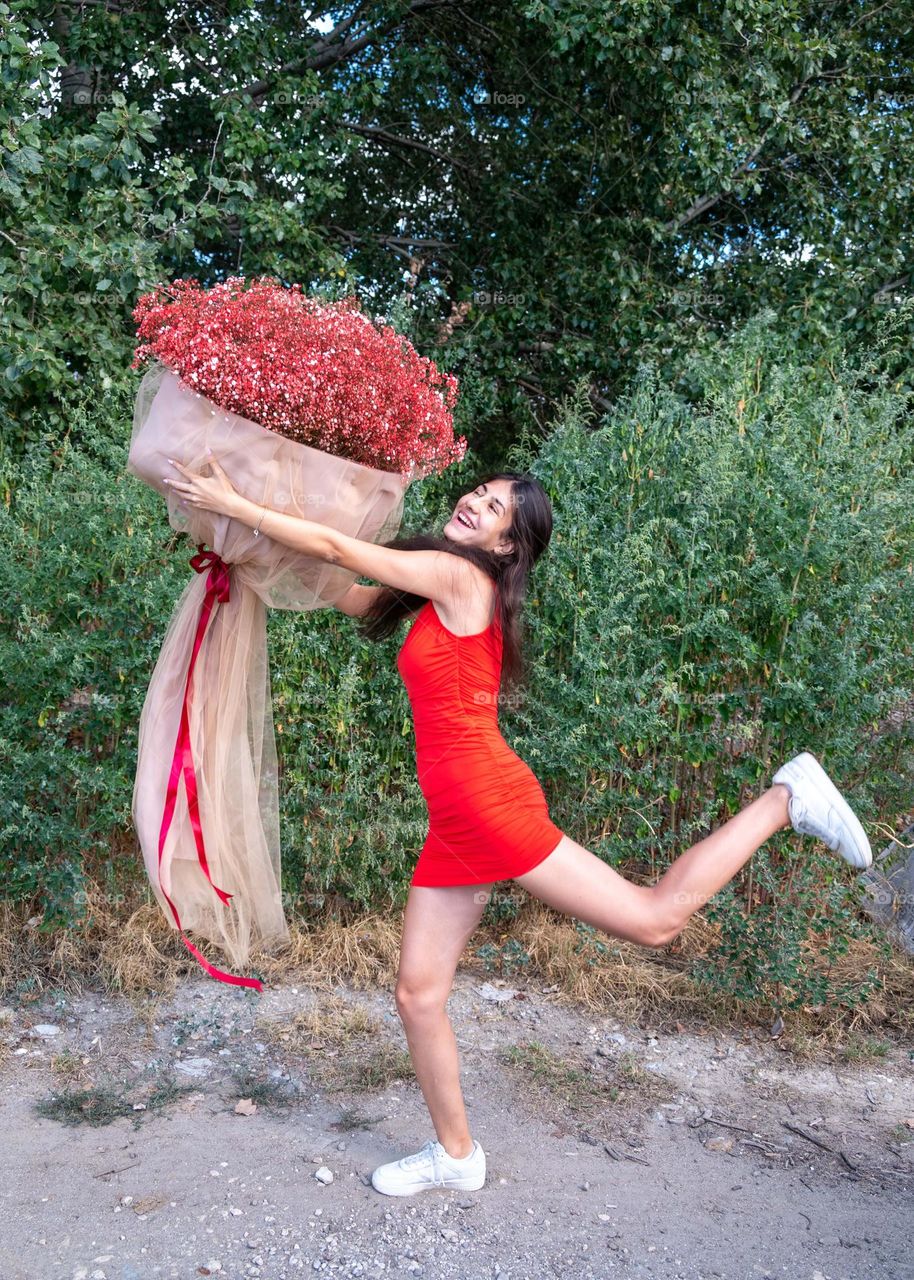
[(612, 1150)]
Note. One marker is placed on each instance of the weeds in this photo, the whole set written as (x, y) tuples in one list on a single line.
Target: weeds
[(101, 1104)]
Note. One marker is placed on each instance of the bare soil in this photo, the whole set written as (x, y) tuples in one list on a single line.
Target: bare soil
[(181, 1136)]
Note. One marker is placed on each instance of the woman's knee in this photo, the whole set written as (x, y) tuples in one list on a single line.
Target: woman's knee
[(671, 915), (661, 932), (417, 999), (657, 924), (577, 883)]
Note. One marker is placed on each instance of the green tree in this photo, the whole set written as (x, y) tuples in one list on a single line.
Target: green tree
[(569, 187)]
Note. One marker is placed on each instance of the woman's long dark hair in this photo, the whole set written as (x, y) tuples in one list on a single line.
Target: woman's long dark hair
[(530, 531)]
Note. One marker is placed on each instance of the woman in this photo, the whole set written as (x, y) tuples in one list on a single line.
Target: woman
[(488, 819)]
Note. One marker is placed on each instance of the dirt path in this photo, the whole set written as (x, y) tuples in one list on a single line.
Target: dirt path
[(610, 1151)]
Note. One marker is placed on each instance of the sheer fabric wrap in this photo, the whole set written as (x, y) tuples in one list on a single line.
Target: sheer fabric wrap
[(207, 718)]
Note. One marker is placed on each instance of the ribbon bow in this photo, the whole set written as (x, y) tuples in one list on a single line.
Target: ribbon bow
[(217, 588), (218, 581)]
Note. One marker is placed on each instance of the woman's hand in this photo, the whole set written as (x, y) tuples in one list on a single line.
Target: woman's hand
[(207, 493)]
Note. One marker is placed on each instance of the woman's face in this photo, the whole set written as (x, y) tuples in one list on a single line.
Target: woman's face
[(482, 518)]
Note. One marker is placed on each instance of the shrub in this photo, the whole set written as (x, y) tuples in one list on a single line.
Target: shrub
[(88, 576), (729, 582)]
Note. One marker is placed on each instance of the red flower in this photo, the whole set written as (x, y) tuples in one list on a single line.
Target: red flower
[(321, 373)]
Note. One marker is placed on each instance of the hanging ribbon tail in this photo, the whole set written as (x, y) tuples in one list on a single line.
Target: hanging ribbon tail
[(182, 764), (220, 974)]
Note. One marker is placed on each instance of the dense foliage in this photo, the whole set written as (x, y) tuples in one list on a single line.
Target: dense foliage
[(727, 584), (561, 188)]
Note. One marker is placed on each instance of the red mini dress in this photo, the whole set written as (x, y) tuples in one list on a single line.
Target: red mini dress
[(488, 818)]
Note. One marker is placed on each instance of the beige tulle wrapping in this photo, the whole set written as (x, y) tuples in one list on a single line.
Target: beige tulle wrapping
[(230, 715)]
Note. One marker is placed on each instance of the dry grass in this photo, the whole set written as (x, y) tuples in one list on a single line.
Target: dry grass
[(332, 1025), (136, 953), (346, 1046), (592, 1094), (67, 1066)]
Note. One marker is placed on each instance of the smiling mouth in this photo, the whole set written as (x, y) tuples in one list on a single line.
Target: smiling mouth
[(464, 519)]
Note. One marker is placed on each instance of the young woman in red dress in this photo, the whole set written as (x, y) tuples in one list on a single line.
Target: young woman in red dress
[(488, 819)]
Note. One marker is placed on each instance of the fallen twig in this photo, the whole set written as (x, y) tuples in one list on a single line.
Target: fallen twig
[(108, 1172), (768, 1150), (738, 1127), (837, 1151), (623, 1155), (795, 1128)]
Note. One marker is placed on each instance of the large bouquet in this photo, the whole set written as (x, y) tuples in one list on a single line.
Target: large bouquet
[(310, 409)]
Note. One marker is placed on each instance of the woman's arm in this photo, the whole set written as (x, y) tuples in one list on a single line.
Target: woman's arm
[(358, 600), (434, 575)]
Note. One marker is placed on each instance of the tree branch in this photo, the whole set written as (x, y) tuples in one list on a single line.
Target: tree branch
[(329, 52), (396, 240), (395, 139), (705, 203), (901, 283)]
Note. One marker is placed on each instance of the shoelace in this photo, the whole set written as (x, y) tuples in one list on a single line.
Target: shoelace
[(428, 1152), (799, 816)]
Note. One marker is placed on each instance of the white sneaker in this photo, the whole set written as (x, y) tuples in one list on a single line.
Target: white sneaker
[(431, 1167), (817, 808)]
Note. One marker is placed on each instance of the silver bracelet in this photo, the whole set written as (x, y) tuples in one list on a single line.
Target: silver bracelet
[(259, 523)]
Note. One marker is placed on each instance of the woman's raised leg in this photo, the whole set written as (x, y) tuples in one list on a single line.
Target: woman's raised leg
[(437, 923), (575, 881)]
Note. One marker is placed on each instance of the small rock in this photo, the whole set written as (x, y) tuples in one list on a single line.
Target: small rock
[(719, 1144), (45, 1029), (323, 1174), (195, 1067), (488, 992)]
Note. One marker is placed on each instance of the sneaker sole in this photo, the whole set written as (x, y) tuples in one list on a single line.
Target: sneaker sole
[(462, 1184), (813, 771)]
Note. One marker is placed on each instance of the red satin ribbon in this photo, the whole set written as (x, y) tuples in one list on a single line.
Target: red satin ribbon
[(217, 588)]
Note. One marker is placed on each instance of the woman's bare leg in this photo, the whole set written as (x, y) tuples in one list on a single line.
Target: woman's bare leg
[(575, 881), (436, 926)]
